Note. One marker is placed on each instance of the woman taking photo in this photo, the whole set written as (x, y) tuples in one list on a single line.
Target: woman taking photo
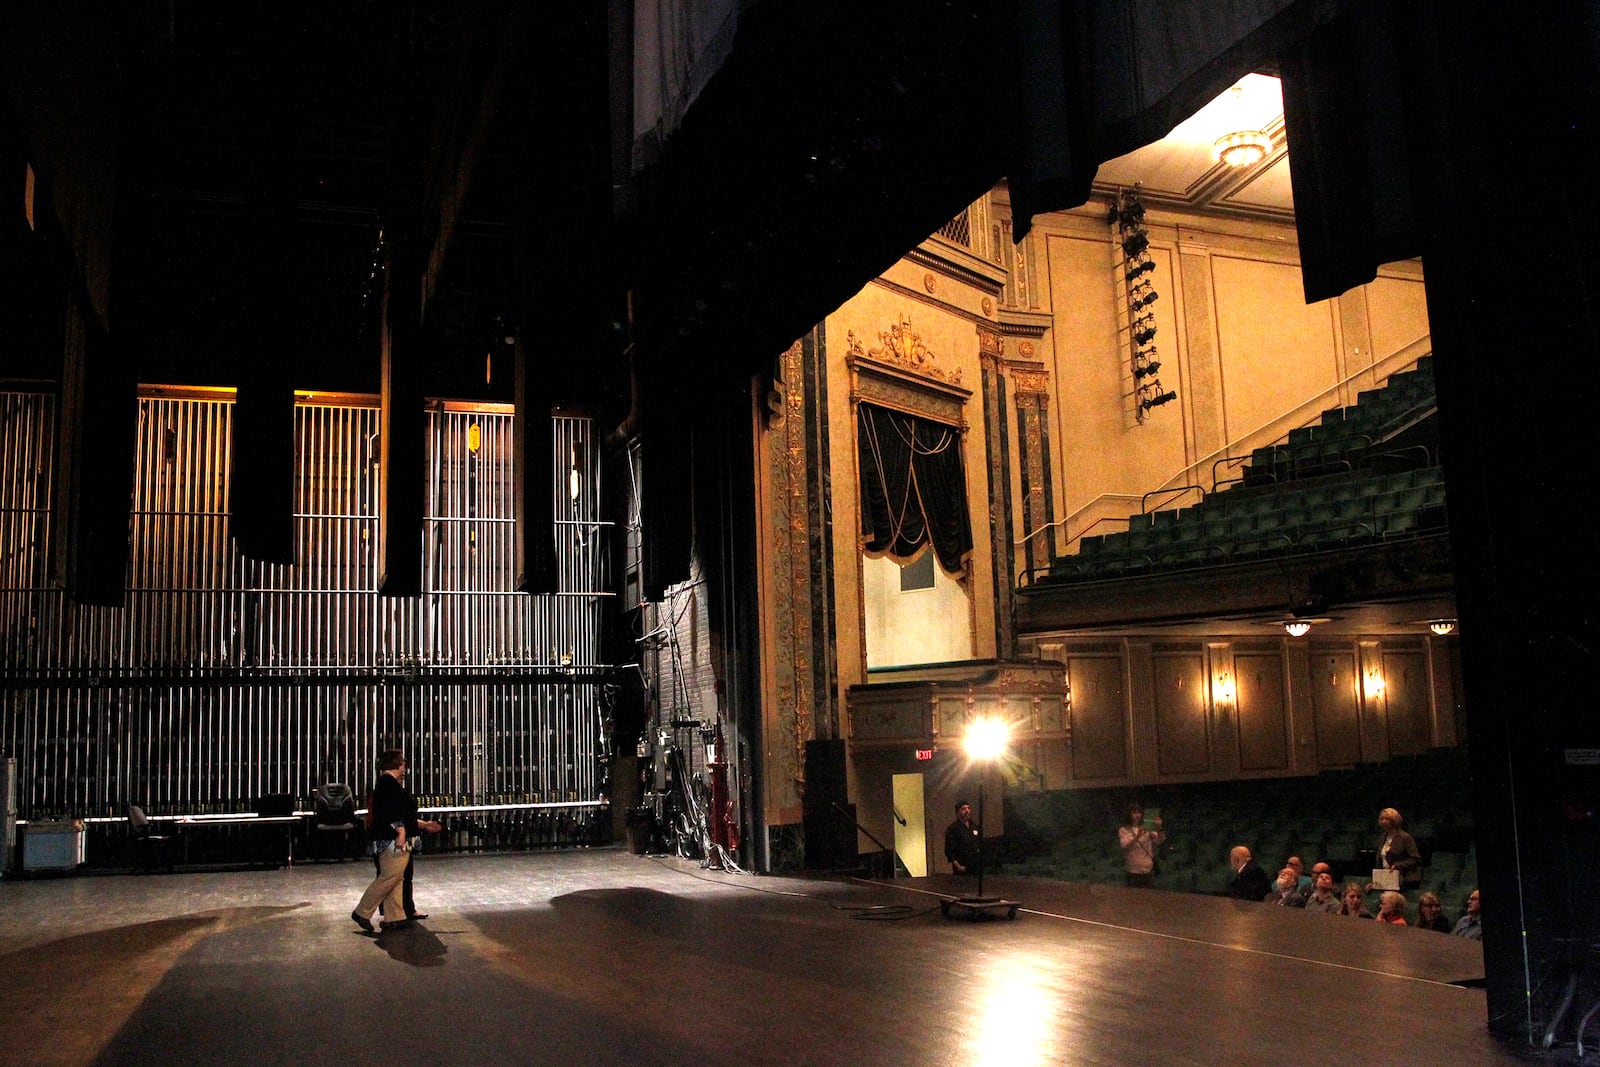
[(1139, 846)]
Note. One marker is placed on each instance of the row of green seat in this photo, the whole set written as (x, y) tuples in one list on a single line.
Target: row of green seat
[(1355, 495), (1346, 437), (1334, 512)]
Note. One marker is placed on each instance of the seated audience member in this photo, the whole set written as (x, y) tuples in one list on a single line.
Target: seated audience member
[(1468, 925), (1430, 914), (1286, 891), (1320, 867), (1249, 881), (1323, 897), (1392, 908), (1353, 901), (1302, 879)]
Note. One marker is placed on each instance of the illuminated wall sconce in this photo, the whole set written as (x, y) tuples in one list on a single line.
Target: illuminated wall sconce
[(1374, 684), (1442, 627), (1222, 692)]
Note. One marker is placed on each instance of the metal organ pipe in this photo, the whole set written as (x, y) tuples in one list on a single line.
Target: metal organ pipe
[(220, 680)]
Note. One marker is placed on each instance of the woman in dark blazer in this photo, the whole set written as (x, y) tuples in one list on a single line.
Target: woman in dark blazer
[(1397, 850)]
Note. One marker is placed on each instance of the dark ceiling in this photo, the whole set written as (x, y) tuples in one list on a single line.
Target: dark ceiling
[(257, 158)]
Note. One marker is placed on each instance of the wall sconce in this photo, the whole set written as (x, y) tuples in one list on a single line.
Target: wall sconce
[(1222, 692), (1442, 627), (1374, 684)]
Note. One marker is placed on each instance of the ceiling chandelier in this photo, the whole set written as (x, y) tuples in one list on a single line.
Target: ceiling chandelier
[(1442, 627), (1242, 148)]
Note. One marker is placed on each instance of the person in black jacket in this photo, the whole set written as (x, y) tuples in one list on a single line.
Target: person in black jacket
[(414, 830), (961, 841), (1249, 881), (394, 814)]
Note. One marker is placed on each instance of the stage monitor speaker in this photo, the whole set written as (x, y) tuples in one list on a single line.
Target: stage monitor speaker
[(825, 777)]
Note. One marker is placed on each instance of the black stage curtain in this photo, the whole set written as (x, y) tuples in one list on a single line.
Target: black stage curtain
[(1097, 78), (913, 487)]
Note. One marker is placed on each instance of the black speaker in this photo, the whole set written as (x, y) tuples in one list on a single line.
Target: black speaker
[(825, 780), (831, 839), (830, 821)]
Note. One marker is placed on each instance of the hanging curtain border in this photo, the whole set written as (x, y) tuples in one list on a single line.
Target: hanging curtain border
[(897, 388)]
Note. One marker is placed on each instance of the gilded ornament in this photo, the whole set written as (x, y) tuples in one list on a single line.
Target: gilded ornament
[(900, 346)]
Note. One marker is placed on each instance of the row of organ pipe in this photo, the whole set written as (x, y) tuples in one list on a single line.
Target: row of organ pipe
[(221, 680)]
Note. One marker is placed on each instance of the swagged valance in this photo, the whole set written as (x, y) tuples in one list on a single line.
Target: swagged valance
[(913, 487)]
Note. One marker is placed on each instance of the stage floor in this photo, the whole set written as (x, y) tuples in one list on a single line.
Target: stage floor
[(603, 957)]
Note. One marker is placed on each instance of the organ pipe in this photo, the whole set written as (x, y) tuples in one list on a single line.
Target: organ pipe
[(223, 679)]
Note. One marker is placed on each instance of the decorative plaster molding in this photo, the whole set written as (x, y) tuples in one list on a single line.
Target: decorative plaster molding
[(901, 346), (1029, 379), (959, 265), (891, 385)]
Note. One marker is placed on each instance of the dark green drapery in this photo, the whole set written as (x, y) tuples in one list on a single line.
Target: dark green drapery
[(913, 487)]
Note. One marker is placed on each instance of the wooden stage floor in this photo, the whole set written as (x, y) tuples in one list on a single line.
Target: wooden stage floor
[(602, 957)]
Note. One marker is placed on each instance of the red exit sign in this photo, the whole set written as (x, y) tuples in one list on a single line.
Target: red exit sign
[(924, 753)]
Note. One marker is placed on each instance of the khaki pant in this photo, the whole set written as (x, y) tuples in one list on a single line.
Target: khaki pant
[(386, 887)]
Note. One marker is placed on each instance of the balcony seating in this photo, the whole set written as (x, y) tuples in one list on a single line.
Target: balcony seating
[(1333, 485)]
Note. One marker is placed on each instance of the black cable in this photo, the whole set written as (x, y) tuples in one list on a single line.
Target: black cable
[(871, 912)]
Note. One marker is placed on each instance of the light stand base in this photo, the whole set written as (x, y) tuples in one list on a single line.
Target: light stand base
[(975, 908)]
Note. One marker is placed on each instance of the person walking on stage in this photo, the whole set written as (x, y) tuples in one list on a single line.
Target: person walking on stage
[(392, 810)]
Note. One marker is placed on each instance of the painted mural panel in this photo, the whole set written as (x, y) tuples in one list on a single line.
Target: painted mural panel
[(1263, 711), (1333, 703), (1099, 717), (1180, 705), (1405, 693)]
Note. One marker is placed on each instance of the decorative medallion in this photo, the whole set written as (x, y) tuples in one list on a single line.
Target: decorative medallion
[(901, 347), (930, 283), (1025, 349), (988, 306)]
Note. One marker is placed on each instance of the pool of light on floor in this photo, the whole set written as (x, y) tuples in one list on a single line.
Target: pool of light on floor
[(1012, 1013)]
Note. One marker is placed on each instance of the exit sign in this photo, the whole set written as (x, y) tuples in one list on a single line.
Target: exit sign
[(924, 753)]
